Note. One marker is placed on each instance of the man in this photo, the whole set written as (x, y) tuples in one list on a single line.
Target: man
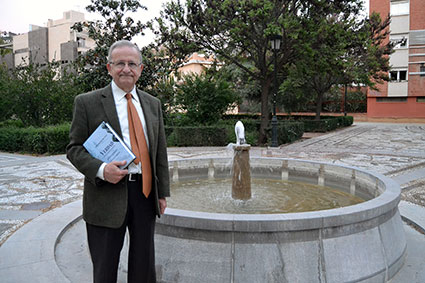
[(115, 199)]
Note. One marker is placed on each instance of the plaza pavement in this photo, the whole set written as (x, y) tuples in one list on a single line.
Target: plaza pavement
[(40, 198)]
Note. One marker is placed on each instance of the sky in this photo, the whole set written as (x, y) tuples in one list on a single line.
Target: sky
[(17, 15)]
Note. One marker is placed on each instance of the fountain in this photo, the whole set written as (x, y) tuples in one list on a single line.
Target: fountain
[(362, 242), (241, 177)]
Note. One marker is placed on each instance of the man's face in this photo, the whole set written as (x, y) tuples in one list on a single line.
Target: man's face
[(125, 67)]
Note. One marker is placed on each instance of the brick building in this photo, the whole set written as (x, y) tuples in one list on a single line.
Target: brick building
[(404, 95)]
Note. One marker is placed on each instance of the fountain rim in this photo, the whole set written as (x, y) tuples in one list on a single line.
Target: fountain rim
[(385, 203)]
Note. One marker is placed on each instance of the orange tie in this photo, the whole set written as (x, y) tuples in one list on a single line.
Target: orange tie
[(139, 145)]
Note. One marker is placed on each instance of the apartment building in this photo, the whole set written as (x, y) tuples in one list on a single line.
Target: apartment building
[(404, 95), (56, 42)]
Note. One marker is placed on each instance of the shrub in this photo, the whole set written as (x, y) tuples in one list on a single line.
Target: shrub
[(198, 136), (204, 98), (52, 139), (288, 132)]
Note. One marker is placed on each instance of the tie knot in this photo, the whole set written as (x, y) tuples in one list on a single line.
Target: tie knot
[(128, 96)]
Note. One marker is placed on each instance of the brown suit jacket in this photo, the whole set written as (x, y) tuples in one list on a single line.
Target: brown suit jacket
[(105, 204)]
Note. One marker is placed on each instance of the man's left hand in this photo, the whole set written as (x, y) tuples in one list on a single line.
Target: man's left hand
[(162, 205)]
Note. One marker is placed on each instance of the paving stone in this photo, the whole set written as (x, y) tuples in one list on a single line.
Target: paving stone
[(41, 183)]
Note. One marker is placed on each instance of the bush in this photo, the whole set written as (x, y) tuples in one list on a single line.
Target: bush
[(198, 136), (52, 139), (204, 98), (288, 132), (12, 123), (327, 123), (36, 95)]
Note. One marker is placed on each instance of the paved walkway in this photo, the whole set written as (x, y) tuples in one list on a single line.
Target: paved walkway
[(40, 197)]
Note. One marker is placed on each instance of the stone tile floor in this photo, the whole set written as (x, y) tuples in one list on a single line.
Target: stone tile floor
[(32, 185)]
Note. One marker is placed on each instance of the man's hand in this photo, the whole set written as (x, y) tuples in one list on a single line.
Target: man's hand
[(162, 205), (112, 173)]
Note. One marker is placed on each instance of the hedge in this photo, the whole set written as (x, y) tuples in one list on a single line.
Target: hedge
[(327, 123), (198, 136), (288, 132), (52, 139)]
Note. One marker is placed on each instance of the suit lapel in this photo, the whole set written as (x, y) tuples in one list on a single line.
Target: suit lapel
[(110, 109)]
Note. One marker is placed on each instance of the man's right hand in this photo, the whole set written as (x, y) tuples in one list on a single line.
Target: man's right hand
[(112, 173)]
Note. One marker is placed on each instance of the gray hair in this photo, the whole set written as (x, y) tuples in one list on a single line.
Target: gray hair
[(124, 43)]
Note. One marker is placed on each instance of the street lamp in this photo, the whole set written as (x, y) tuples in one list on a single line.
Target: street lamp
[(275, 43)]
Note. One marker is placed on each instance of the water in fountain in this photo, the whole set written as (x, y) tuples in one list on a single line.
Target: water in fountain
[(254, 196), (268, 196)]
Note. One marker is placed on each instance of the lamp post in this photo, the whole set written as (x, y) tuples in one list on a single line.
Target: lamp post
[(275, 43)]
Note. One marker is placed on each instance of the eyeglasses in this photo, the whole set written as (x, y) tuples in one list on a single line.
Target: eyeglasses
[(121, 65)]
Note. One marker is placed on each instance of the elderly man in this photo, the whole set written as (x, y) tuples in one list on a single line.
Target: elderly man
[(115, 198)]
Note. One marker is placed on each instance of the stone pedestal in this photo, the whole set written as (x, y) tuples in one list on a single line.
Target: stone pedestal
[(241, 179)]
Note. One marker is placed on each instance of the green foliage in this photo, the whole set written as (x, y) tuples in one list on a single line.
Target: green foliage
[(338, 50), (7, 102), (327, 123), (238, 32), (38, 95), (198, 136), (288, 132), (165, 90), (4, 51), (45, 97), (52, 139), (12, 123), (114, 26), (204, 98)]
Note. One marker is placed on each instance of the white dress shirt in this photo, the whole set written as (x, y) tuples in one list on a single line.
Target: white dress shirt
[(121, 106)]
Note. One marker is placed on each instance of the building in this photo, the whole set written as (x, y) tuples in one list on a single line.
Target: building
[(56, 42), (196, 64), (404, 95)]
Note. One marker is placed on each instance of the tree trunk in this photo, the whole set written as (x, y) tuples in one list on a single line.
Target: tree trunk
[(265, 113), (319, 101)]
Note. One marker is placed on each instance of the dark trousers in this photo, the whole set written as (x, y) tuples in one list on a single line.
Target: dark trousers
[(105, 244)]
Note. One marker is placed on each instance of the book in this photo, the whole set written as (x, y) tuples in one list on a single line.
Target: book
[(106, 145)]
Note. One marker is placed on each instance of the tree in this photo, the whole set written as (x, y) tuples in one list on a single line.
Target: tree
[(40, 96), (239, 31), (6, 97), (115, 26), (342, 50), (204, 97), (4, 51)]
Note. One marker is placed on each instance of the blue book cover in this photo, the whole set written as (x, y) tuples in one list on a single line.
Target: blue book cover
[(105, 144)]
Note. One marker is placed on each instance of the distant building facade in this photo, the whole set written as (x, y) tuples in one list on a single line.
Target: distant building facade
[(56, 42), (404, 95), (196, 64)]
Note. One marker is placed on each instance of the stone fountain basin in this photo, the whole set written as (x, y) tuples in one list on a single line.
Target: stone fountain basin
[(359, 243)]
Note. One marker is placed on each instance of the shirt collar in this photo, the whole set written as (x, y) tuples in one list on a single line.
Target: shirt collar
[(120, 94)]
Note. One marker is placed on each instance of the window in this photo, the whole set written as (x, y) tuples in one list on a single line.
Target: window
[(399, 8), (398, 75), (399, 41), (422, 71), (81, 42), (420, 99), (391, 99)]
